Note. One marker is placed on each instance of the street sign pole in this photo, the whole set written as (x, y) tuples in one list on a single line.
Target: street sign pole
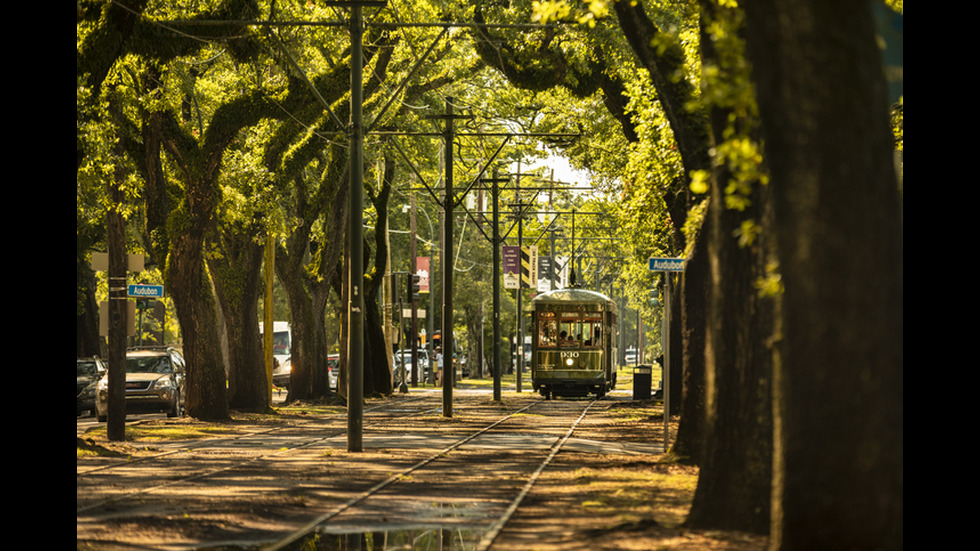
[(666, 265)]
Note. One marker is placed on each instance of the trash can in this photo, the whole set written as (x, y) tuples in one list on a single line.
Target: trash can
[(642, 381)]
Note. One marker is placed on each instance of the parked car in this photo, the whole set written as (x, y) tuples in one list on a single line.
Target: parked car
[(631, 356), (404, 357), (154, 382), (280, 373), (333, 369), (88, 371)]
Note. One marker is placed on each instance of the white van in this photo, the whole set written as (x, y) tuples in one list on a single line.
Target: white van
[(282, 339)]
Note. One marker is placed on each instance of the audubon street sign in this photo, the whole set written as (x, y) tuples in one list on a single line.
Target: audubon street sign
[(667, 264), (146, 291)]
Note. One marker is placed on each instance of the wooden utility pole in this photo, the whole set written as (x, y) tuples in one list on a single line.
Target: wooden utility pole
[(116, 241)]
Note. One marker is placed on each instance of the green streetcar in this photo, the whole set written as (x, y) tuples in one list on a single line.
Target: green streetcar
[(573, 349)]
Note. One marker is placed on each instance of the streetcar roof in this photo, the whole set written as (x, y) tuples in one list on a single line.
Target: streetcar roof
[(565, 296)]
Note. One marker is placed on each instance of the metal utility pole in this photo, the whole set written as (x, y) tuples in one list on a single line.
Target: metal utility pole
[(449, 370), (431, 314), (497, 366), (403, 385), (413, 267), (355, 316), (521, 211), (116, 418), (666, 265), (520, 279), (267, 326), (118, 302), (665, 345)]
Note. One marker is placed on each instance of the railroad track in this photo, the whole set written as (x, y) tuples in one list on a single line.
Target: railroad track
[(484, 512), (471, 478)]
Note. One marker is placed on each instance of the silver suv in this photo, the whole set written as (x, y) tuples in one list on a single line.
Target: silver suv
[(154, 382)]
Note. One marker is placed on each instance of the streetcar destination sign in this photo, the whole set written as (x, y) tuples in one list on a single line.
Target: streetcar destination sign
[(667, 264), (146, 291)]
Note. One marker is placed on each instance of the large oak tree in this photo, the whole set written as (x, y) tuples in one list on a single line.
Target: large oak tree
[(838, 469)]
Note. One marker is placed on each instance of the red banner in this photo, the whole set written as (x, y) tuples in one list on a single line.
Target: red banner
[(422, 270)]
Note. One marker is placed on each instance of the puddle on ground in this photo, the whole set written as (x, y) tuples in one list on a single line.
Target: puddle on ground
[(414, 539), (410, 525)]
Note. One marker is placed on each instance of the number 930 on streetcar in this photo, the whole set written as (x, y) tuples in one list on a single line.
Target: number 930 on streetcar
[(573, 349)]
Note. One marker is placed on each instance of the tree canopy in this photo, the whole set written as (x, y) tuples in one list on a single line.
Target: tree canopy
[(754, 139)]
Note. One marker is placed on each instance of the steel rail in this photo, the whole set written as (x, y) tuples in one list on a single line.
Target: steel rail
[(496, 527), (310, 526)]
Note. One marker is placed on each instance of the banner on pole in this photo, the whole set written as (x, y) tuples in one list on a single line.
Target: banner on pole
[(529, 267), (544, 274), (422, 270), (512, 266)]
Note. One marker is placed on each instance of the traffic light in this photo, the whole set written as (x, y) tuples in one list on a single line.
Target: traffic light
[(413, 287)]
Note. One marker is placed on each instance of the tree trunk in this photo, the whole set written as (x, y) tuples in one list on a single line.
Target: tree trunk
[(694, 294), (194, 302), (377, 354), (330, 251), (320, 383), (736, 466), (237, 275), (838, 469), (87, 340), (302, 326)]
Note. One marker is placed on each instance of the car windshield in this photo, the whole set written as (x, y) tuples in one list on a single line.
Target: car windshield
[(86, 368), (149, 364)]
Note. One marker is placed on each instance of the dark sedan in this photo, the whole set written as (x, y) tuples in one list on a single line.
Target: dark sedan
[(88, 371)]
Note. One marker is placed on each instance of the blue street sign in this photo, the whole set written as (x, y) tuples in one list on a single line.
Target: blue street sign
[(667, 264), (146, 291)]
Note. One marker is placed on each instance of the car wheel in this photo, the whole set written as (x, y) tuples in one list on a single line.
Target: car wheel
[(175, 410)]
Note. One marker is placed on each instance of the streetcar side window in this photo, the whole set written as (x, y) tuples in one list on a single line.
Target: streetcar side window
[(547, 332), (592, 329)]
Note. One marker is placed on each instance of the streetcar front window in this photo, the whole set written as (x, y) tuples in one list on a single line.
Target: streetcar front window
[(578, 329), (569, 330)]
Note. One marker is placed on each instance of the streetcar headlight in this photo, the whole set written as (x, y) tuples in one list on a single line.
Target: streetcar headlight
[(569, 362)]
